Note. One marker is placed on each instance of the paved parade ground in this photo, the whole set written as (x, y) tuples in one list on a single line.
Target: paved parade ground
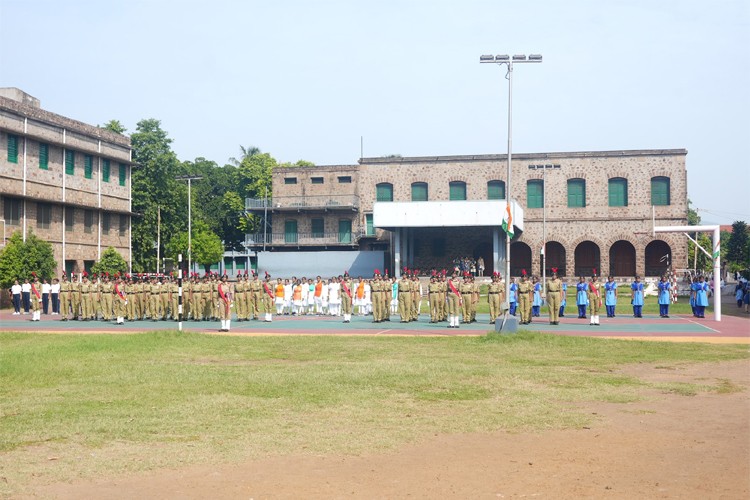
[(731, 329)]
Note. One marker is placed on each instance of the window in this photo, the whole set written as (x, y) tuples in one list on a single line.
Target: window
[(105, 170), (70, 162), (419, 191), (345, 231), (496, 190), (534, 193), (345, 179), (12, 148), (123, 224), (70, 216), (12, 211), (457, 191), (123, 174), (369, 226), (88, 221), (290, 180), (318, 228), (88, 166), (290, 231), (384, 192), (316, 180), (660, 191), (576, 193), (43, 215), (106, 222), (618, 192), (43, 156)]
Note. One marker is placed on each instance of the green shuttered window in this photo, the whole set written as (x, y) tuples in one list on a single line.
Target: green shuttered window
[(534, 193), (369, 225), (318, 228), (123, 174), (618, 192), (43, 156), (576, 193), (12, 148), (88, 166), (457, 191), (419, 191), (496, 190), (384, 192), (105, 170), (70, 162), (660, 191)]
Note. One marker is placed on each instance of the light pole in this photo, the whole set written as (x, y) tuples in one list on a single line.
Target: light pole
[(189, 179), (509, 61)]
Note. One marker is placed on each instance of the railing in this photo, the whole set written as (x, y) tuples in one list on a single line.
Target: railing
[(300, 239), (327, 202)]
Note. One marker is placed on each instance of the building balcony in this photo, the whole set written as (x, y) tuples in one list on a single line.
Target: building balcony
[(303, 203), (258, 240)]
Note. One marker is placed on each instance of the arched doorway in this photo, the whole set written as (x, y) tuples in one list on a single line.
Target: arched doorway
[(555, 258), (520, 258), (658, 258), (587, 258), (622, 259)]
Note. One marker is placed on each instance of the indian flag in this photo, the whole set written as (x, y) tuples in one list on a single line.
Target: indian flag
[(508, 221)]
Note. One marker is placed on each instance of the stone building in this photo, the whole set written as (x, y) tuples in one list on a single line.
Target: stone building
[(66, 181), (595, 210)]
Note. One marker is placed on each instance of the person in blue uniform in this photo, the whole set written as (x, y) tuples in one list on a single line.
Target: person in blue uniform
[(536, 305), (513, 299), (664, 297), (582, 297), (610, 296), (636, 295), (701, 297), (693, 287), (563, 298)]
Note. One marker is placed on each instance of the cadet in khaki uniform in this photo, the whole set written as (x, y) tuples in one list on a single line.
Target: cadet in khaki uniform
[(347, 295), (454, 300), (525, 292), (404, 297), (164, 299), (467, 295), (141, 308), (87, 309), (240, 299), (120, 300), (443, 299), (433, 295), (495, 293), (595, 300), (254, 297), (105, 298), (174, 300), (268, 299), (75, 298), (475, 299), (416, 296), (66, 290), (375, 288), (196, 307), (554, 289), (130, 294), (224, 293)]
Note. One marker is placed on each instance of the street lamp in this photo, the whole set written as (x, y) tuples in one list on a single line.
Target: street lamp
[(189, 179), (507, 60)]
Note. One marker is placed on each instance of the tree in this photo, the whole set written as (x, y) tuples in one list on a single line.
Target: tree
[(738, 246), (207, 246), (114, 126), (155, 190), (111, 262), (246, 153), (696, 258), (19, 259)]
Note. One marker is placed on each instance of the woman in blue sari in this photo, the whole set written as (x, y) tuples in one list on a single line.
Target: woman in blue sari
[(664, 297), (582, 297), (636, 290)]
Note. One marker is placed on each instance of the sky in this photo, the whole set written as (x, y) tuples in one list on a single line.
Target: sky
[(327, 80)]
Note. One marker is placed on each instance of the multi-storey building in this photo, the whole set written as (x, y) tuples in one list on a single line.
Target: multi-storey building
[(594, 210), (66, 181)]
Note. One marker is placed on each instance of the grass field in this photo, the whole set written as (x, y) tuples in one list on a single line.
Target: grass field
[(135, 402)]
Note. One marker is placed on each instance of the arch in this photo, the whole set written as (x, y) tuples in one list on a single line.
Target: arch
[(622, 259), (520, 258), (419, 191), (555, 256), (656, 263), (495, 190), (457, 190), (587, 258), (384, 191)]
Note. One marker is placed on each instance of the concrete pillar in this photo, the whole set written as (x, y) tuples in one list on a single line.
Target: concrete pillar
[(397, 252)]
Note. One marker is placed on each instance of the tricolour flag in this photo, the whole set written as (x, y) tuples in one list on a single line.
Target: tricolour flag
[(508, 221)]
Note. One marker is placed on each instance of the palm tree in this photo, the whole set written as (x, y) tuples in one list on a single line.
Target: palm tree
[(246, 153)]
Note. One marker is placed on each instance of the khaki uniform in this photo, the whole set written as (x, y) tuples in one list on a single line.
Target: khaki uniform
[(75, 296), (467, 296), (105, 299), (346, 298), (196, 301), (453, 299), (66, 291), (254, 299), (404, 299), (495, 296), (525, 290), (223, 309), (595, 297), (554, 289), (433, 291), (87, 309)]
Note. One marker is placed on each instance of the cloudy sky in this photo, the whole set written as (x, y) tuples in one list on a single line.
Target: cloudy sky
[(316, 80)]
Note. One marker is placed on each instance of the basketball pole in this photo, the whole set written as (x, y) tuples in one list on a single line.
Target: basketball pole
[(716, 256)]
